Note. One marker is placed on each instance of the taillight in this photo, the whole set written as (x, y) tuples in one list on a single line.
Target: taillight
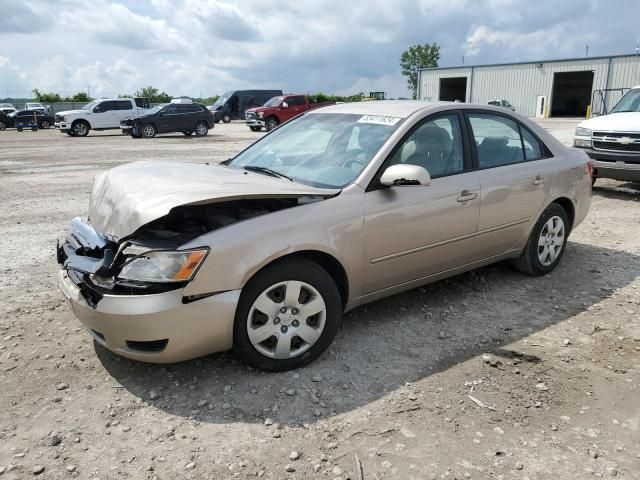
[(590, 167)]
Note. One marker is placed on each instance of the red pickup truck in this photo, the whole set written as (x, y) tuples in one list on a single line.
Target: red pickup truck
[(279, 110)]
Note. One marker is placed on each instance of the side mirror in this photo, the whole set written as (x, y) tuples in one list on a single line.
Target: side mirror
[(97, 109), (285, 105), (405, 174)]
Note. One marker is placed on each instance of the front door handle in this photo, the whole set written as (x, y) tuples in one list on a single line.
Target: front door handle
[(466, 196), (539, 180)]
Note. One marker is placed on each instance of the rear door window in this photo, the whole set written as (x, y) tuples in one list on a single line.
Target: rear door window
[(497, 139), (123, 105)]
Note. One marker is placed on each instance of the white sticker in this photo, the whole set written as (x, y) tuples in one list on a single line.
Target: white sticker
[(379, 119)]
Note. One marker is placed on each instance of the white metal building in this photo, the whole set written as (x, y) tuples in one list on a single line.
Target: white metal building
[(549, 88)]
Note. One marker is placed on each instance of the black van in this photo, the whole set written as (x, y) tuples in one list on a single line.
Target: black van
[(231, 105)]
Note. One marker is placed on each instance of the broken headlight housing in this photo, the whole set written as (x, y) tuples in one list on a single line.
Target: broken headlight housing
[(161, 266)]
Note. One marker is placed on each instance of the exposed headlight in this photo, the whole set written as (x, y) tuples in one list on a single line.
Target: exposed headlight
[(581, 142), (260, 114), (583, 132), (163, 266), (65, 118)]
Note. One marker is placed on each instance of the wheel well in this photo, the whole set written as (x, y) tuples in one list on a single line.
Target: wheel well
[(333, 267), (568, 207), (80, 120), (273, 116)]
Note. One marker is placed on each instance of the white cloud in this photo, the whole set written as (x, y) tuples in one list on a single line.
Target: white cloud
[(333, 46)]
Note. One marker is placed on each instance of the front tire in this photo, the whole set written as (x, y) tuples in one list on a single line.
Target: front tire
[(271, 123), (547, 242), (201, 129), (80, 128), (255, 129), (45, 124), (288, 314), (148, 130)]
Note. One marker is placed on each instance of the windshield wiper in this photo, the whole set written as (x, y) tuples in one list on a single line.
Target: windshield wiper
[(267, 171)]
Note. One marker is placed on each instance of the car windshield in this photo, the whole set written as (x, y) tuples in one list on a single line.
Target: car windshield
[(274, 102), (222, 99), (327, 150), (630, 102), (156, 109), (90, 105)]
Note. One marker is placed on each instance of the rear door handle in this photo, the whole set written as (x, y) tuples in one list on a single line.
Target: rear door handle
[(539, 180), (466, 196)]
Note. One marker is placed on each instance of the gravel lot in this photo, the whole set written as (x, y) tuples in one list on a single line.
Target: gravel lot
[(488, 375)]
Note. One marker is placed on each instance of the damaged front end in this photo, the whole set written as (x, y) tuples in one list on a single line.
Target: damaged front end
[(98, 266), (150, 260)]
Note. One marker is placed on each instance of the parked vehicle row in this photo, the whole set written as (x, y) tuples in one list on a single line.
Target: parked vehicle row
[(336, 208), (178, 116), (104, 114), (278, 110), (26, 119)]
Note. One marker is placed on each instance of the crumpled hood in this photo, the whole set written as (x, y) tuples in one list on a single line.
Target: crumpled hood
[(129, 196), (621, 122)]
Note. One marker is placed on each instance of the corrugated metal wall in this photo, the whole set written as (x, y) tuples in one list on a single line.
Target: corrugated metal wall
[(430, 86), (522, 83)]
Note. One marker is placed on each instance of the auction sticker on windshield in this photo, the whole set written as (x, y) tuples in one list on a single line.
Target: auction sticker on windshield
[(379, 119)]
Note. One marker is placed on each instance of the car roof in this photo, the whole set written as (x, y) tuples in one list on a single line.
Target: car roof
[(395, 108)]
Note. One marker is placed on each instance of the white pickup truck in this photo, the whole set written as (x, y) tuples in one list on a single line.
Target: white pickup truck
[(104, 114), (613, 140)]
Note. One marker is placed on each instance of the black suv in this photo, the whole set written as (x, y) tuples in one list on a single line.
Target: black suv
[(187, 118)]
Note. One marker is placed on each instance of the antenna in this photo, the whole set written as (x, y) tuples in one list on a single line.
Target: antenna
[(586, 52)]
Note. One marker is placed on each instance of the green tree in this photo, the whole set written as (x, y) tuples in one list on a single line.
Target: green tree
[(153, 94), (415, 58), (79, 97), (46, 97)]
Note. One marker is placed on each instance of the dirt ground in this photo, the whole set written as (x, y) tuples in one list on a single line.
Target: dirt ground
[(488, 375)]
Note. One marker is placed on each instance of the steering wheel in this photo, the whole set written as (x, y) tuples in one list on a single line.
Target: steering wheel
[(348, 163)]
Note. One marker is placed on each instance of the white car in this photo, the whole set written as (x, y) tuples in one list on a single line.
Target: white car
[(613, 140), (104, 114)]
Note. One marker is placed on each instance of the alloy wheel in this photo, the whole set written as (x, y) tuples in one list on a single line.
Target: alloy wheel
[(551, 241), (201, 129), (148, 131), (80, 129), (286, 319)]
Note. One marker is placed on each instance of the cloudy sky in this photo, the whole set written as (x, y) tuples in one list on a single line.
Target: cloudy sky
[(335, 46)]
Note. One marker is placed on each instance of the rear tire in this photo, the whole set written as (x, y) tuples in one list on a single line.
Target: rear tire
[(148, 130), (546, 244), (255, 129), (276, 299), (187, 134), (226, 118), (201, 129), (69, 132), (45, 124)]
